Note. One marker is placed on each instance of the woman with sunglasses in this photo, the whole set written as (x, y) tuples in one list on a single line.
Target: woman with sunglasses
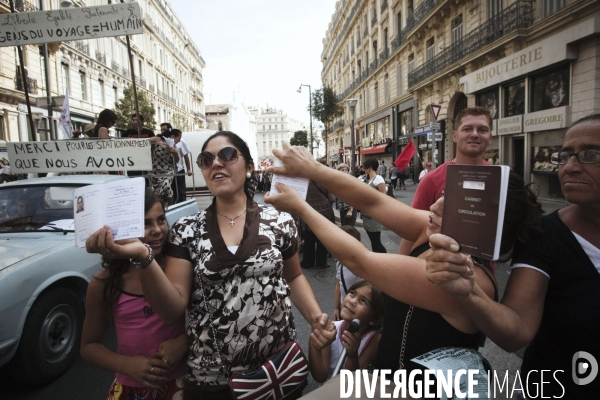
[(552, 298), (233, 266)]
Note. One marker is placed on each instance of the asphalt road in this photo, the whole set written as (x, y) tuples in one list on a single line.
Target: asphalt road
[(85, 382)]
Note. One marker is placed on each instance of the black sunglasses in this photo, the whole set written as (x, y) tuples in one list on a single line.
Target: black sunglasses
[(227, 155)]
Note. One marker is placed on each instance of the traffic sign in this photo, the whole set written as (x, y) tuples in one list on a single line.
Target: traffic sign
[(435, 111), (435, 126)]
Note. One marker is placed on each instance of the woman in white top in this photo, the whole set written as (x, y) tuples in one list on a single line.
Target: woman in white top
[(373, 227)]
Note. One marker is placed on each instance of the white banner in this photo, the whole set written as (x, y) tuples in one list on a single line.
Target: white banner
[(70, 24), (83, 155), (64, 121)]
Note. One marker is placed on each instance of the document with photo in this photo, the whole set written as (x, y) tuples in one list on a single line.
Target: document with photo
[(118, 204), (300, 185)]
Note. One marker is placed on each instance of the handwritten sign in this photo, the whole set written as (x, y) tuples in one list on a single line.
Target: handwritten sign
[(70, 24), (80, 156)]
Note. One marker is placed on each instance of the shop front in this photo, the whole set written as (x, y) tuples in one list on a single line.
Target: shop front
[(377, 138)]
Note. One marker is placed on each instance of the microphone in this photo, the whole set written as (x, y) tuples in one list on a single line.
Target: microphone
[(352, 328)]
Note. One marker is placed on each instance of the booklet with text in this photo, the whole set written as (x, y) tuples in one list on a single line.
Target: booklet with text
[(300, 185), (118, 204), (474, 205)]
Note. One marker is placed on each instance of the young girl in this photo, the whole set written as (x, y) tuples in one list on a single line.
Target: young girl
[(365, 303), (150, 358)]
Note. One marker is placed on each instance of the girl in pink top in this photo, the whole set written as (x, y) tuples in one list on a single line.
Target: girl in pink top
[(149, 363)]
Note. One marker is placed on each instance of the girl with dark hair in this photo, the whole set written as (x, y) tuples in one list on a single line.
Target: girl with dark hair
[(150, 359), (418, 316), (233, 266), (106, 119)]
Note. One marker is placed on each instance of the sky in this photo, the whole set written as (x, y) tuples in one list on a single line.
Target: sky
[(259, 51)]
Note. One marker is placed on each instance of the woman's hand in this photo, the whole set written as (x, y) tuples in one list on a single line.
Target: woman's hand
[(351, 343), (170, 352), (322, 337), (102, 242), (148, 371), (297, 161), (288, 200), (447, 268)]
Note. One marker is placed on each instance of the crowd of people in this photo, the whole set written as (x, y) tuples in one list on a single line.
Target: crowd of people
[(235, 268)]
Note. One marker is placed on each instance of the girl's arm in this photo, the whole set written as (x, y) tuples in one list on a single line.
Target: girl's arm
[(170, 351), (336, 301), (394, 215), (319, 353), (94, 352), (367, 357), (401, 277), (301, 293), (167, 292)]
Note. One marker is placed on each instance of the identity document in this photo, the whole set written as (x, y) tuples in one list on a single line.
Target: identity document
[(474, 203), (118, 204)]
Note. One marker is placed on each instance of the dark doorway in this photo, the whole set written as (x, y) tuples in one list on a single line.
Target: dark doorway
[(519, 156)]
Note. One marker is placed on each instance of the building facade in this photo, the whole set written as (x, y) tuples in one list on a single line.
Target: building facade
[(167, 65), (534, 64), (273, 127)]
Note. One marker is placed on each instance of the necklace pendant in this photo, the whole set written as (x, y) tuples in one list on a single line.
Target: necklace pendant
[(231, 223)]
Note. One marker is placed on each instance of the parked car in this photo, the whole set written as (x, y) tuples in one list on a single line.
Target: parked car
[(44, 277)]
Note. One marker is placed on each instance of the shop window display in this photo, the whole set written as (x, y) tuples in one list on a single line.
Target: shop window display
[(514, 99), (489, 100), (550, 90)]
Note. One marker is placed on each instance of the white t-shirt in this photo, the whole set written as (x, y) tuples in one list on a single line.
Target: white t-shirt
[(377, 180), (182, 150), (422, 174)]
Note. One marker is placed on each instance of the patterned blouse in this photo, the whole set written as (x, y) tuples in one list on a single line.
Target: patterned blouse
[(247, 295)]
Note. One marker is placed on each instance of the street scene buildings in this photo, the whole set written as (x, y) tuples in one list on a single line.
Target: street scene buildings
[(166, 61), (273, 127), (533, 64)]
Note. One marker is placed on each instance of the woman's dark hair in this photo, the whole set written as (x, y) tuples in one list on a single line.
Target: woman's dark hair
[(523, 215), (242, 147), (105, 117), (376, 302), (352, 231), (372, 163), (113, 284)]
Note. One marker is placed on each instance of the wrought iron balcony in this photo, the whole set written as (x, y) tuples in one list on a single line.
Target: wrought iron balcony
[(82, 46), (366, 32), (421, 12), (29, 84), (115, 66), (517, 16), (373, 21), (358, 40), (101, 57), (141, 81), (151, 88), (20, 5), (396, 42), (373, 65), (385, 53), (125, 71), (384, 5), (339, 124)]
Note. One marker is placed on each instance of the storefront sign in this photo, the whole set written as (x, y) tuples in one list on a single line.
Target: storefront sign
[(70, 24), (555, 118), (341, 151), (424, 146), (539, 55), (510, 125), (403, 140), (80, 155)]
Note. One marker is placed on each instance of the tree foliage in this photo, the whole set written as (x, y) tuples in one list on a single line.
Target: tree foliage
[(300, 138), (180, 122), (125, 107), (326, 106)]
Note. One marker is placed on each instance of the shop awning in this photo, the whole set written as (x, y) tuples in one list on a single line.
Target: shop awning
[(379, 148)]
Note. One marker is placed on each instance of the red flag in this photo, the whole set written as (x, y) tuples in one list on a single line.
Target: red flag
[(404, 158)]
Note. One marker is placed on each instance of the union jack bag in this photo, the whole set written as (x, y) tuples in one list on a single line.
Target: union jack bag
[(283, 376)]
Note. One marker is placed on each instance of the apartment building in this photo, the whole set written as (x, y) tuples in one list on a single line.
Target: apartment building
[(273, 127), (534, 64), (167, 65)]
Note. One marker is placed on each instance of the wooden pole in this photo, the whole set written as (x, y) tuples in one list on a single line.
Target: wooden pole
[(24, 81), (135, 97)]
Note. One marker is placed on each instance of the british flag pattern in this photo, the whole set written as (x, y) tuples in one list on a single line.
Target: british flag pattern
[(283, 376)]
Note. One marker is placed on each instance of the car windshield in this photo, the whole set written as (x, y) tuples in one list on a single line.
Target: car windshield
[(36, 208)]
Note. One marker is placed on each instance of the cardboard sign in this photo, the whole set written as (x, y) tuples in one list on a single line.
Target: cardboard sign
[(84, 155), (79, 23)]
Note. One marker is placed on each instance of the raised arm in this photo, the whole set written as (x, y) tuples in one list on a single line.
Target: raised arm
[(393, 214), (513, 323)]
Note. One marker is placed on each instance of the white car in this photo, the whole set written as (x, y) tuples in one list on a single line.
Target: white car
[(44, 277)]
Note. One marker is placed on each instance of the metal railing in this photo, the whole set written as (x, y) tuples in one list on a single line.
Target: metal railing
[(373, 21), (396, 42), (30, 84), (82, 46), (151, 88), (115, 65), (384, 5), (125, 71), (385, 53), (100, 57), (421, 12), (20, 5), (339, 124), (517, 16)]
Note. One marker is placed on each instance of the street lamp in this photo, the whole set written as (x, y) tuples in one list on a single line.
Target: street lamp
[(310, 112), (352, 106)]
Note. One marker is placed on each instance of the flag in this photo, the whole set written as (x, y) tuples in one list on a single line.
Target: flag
[(64, 121), (404, 158), (266, 163)]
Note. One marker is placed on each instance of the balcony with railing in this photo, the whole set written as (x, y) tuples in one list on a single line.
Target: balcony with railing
[(385, 53), (82, 46), (339, 124), (366, 32), (384, 5), (420, 13), (151, 88), (115, 66), (100, 57), (373, 21), (20, 5), (517, 16), (141, 81), (125, 71), (396, 42), (29, 84), (358, 40)]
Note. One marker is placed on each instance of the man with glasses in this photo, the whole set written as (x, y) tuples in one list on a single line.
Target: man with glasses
[(552, 298)]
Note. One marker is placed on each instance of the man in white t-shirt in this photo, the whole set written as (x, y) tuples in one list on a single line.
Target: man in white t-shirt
[(179, 191)]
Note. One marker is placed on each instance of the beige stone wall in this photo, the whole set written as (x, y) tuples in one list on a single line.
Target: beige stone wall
[(586, 80)]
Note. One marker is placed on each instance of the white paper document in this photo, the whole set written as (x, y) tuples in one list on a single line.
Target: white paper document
[(300, 185), (118, 204)]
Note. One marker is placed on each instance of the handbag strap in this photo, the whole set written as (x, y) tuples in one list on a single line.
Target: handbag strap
[(404, 335)]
